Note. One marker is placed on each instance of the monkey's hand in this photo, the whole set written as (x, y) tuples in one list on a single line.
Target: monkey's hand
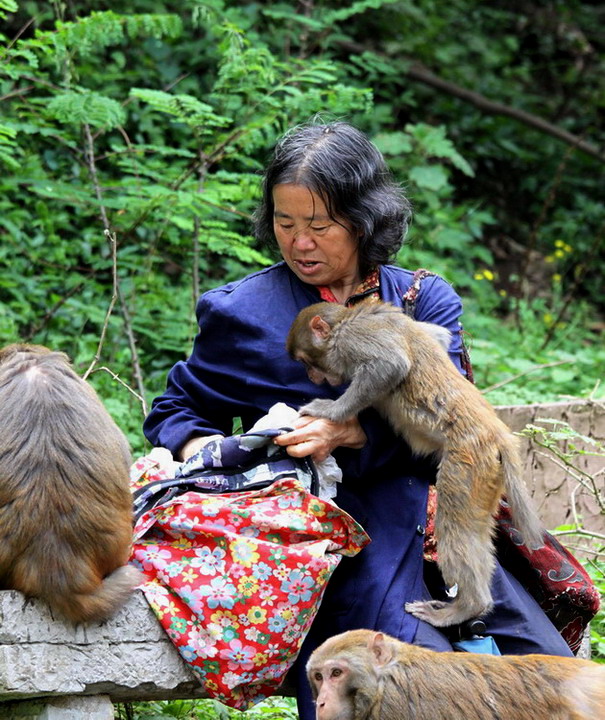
[(329, 409)]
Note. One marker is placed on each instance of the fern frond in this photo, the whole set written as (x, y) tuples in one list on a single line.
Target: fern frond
[(8, 147), (185, 108), (102, 29), (77, 108)]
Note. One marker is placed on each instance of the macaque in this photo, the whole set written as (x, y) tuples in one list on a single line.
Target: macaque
[(401, 368), (65, 504), (367, 675)]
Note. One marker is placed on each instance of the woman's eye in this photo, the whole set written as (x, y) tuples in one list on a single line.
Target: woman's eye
[(319, 229), (286, 227)]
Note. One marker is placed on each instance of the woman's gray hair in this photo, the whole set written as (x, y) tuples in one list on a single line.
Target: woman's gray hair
[(340, 164)]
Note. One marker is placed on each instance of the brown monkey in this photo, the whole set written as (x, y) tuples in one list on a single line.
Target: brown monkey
[(366, 675), (65, 503), (401, 368)]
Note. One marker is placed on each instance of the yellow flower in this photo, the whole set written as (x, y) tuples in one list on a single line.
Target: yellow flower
[(260, 658), (181, 544), (189, 575), (556, 278), (559, 253), (257, 615), (485, 274), (247, 585), (559, 243)]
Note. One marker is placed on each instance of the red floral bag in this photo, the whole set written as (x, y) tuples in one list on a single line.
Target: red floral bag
[(236, 578)]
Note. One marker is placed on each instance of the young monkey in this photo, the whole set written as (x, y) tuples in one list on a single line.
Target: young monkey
[(401, 368)]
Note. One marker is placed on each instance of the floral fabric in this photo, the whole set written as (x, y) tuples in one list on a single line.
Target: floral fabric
[(236, 578)]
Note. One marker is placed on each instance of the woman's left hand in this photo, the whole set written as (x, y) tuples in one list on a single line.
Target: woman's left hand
[(318, 437)]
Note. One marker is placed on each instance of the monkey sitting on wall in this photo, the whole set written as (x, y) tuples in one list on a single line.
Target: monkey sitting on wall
[(65, 502), (366, 675), (401, 368)]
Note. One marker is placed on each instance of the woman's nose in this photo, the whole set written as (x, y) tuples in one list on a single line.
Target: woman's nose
[(303, 238)]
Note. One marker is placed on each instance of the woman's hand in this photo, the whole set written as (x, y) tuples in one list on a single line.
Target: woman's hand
[(318, 437), (195, 444)]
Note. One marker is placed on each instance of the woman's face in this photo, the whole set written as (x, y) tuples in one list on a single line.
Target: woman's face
[(318, 249)]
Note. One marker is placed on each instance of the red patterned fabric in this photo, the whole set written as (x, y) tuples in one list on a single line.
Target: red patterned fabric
[(236, 579), (558, 582)]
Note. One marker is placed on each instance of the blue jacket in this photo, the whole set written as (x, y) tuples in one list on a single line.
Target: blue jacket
[(239, 368)]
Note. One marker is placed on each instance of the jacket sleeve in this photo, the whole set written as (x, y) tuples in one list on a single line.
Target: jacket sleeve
[(238, 368), (197, 400)]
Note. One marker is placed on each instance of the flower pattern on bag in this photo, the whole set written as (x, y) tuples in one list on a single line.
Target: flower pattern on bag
[(236, 578)]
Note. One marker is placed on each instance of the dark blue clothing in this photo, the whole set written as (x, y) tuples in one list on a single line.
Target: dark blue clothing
[(239, 368)]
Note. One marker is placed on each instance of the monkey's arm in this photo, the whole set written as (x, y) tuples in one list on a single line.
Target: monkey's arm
[(372, 380)]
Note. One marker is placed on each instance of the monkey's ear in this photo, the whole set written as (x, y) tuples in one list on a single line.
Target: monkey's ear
[(319, 327), (381, 648)]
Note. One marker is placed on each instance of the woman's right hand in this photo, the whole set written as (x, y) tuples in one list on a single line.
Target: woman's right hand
[(318, 437)]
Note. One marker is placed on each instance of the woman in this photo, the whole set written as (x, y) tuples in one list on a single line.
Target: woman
[(338, 218)]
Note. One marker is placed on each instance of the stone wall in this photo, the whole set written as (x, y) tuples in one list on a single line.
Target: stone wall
[(553, 488)]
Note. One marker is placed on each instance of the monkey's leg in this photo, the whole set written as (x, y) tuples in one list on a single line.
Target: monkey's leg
[(465, 554)]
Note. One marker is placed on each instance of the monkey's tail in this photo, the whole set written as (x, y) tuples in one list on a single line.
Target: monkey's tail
[(104, 601), (523, 510)]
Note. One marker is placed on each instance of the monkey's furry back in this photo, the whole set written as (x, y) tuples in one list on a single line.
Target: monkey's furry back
[(65, 503)]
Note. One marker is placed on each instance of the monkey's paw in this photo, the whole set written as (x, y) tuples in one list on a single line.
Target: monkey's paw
[(420, 607), (320, 408), (443, 614), (431, 611)]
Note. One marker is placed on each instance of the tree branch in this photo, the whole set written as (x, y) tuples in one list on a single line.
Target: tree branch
[(416, 71), (117, 289), (523, 374)]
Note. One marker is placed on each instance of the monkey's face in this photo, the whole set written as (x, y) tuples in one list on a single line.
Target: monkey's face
[(333, 686), (317, 374)]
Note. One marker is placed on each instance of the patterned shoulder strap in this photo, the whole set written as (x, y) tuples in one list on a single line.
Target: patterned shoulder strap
[(410, 298)]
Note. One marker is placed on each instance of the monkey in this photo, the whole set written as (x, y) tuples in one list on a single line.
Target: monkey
[(65, 502), (401, 368), (368, 675)]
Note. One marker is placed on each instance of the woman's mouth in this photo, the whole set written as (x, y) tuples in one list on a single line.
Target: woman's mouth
[(307, 265)]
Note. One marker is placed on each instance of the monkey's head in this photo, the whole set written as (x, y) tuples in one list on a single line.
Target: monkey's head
[(9, 351), (22, 357), (309, 341), (345, 673)]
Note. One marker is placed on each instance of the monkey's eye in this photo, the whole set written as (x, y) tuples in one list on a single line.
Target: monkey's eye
[(336, 672), (317, 676)]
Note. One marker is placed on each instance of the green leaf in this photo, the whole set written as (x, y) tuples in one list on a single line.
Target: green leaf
[(431, 177), (78, 108), (395, 143)]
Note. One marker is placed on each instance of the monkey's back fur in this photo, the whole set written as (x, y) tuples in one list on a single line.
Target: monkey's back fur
[(391, 679), (401, 367), (65, 503)]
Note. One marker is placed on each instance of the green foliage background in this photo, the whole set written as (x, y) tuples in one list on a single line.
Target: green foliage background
[(153, 120)]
